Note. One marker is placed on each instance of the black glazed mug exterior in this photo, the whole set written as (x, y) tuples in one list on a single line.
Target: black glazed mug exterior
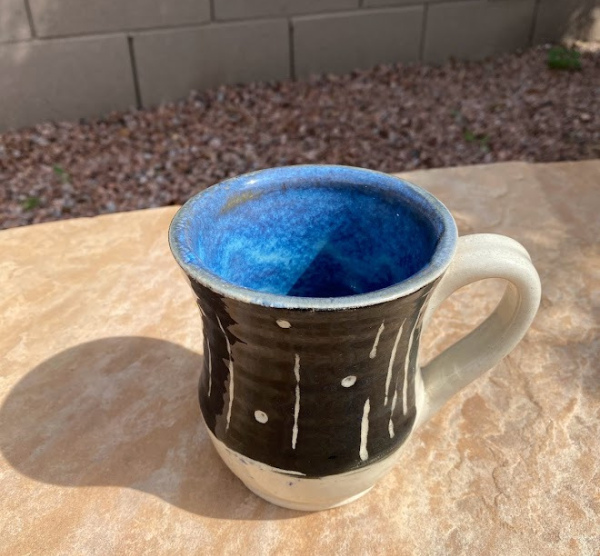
[(314, 283)]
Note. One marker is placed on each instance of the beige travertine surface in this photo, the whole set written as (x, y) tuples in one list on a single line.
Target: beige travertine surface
[(101, 446)]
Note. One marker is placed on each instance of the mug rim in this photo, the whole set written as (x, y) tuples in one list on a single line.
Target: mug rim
[(437, 264)]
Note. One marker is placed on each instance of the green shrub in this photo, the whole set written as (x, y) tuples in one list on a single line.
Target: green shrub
[(563, 58)]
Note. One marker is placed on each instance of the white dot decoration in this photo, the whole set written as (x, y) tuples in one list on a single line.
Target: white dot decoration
[(283, 323), (348, 381), (261, 416)]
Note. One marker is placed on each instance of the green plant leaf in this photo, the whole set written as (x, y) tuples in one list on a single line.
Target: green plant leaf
[(31, 203), (61, 173), (469, 136)]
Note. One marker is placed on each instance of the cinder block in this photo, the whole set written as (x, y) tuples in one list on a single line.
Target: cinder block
[(475, 29), (64, 79), (14, 25), (78, 17), (245, 9), (567, 20), (381, 3), (342, 42), (171, 63)]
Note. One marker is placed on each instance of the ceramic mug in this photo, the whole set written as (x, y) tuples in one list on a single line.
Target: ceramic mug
[(314, 284)]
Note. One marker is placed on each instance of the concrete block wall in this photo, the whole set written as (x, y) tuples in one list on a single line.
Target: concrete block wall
[(69, 59)]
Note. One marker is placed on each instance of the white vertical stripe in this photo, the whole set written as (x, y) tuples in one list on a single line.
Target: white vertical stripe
[(364, 431), (297, 405), (388, 378), (391, 423), (376, 343), (406, 363), (209, 368), (231, 381)]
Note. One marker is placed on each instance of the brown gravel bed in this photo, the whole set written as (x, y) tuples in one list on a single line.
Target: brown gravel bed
[(391, 118)]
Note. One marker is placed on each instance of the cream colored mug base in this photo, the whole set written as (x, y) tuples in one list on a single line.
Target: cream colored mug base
[(297, 492)]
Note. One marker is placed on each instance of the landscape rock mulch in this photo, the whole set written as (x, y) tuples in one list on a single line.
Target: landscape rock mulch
[(392, 118)]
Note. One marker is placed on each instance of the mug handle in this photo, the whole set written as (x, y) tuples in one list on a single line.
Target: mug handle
[(478, 257)]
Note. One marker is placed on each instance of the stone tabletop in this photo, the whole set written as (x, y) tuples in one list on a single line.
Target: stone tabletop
[(101, 446)]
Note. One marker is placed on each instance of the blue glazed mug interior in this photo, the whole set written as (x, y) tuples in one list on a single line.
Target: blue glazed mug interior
[(313, 232)]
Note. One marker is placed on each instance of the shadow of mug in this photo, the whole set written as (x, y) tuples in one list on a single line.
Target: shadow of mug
[(124, 412)]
